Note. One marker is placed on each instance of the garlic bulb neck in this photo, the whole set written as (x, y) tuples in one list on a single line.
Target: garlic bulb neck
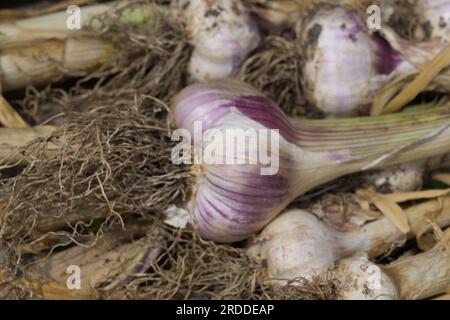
[(235, 197), (222, 33)]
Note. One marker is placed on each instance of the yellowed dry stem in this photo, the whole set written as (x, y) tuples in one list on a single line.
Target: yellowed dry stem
[(35, 51), (424, 275), (41, 63), (21, 13)]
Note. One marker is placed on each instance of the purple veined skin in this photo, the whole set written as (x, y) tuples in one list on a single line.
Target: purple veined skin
[(230, 202)]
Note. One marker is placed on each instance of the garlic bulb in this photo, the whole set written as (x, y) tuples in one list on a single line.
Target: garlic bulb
[(439, 162), (400, 178), (424, 275), (222, 33), (297, 244), (358, 278), (414, 277), (345, 65), (235, 196)]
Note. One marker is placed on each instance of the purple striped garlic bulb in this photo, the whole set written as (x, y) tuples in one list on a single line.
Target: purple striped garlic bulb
[(346, 65), (222, 33), (251, 161), (434, 18)]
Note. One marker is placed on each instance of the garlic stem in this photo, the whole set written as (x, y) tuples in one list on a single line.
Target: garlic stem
[(297, 244), (424, 275), (106, 264), (399, 178), (57, 20), (408, 139), (25, 62), (47, 26), (345, 65), (9, 117)]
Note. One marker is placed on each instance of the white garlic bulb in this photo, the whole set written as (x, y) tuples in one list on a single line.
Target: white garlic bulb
[(345, 66), (399, 178), (222, 33)]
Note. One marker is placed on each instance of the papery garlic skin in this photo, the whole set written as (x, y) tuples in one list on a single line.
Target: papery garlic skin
[(232, 201), (358, 278), (434, 18), (404, 177), (345, 65), (222, 33), (297, 244)]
